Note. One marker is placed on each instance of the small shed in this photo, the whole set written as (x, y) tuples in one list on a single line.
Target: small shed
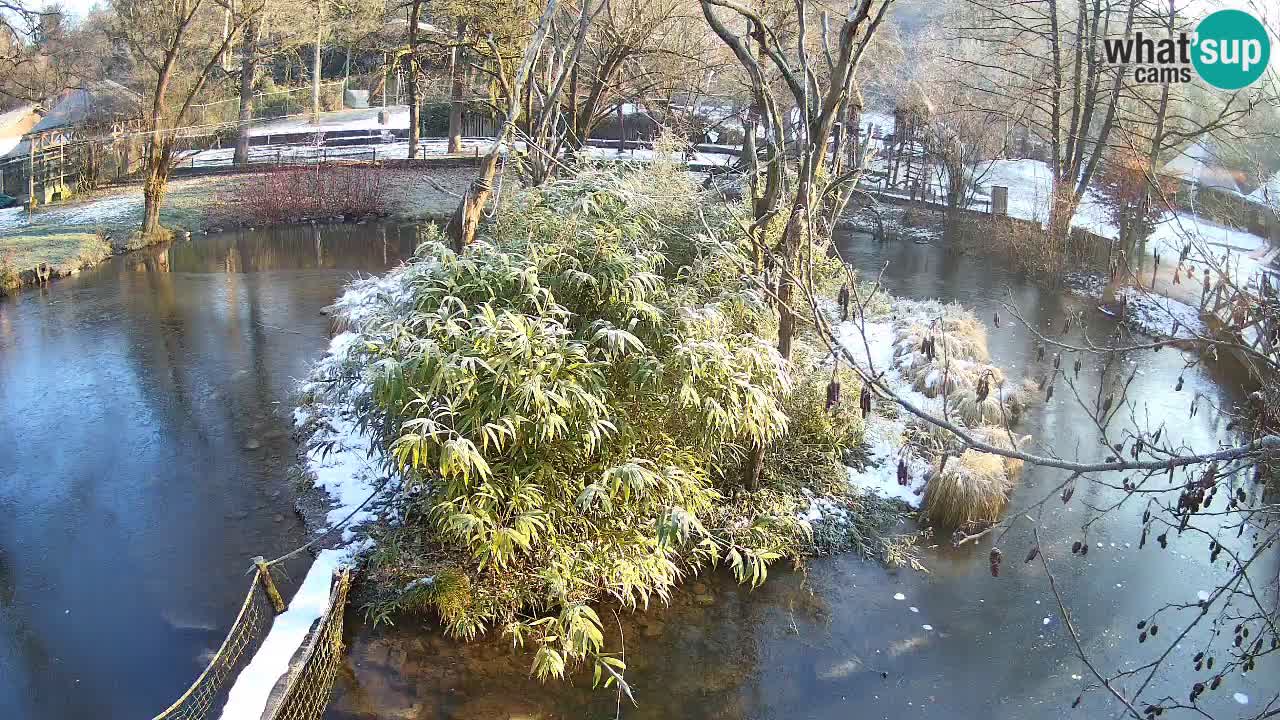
[(90, 134), (1207, 187)]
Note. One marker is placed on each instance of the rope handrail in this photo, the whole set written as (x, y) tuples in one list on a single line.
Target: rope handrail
[(307, 690)]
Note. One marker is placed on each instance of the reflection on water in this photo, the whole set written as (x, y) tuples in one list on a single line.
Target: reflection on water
[(832, 642), (143, 457)]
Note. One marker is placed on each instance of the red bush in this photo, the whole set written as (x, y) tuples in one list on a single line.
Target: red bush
[(293, 194)]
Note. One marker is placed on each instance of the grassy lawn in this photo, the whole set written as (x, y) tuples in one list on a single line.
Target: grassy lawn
[(63, 249), (84, 231)]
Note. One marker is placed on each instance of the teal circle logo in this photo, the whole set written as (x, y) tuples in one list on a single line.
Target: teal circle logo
[(1231, 49)]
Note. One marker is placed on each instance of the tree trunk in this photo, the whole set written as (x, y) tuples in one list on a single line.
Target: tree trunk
[(248, 68), (415, 122), (753, 468), (153, 189), (622, 130), (457, 68), (315, 63), (466, 218), (792, 238)]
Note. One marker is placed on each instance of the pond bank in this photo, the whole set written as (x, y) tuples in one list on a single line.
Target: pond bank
[(1160, 297), (61, 240)]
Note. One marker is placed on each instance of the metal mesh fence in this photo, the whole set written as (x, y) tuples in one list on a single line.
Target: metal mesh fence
[(307, 693), (309, 685), (244, 638)]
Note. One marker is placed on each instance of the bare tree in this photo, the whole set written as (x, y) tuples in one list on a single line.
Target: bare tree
[(511, 85), (962, 147), (177, 46), (819, 90)]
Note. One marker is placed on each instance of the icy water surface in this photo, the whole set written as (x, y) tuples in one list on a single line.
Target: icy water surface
[(144, 450), (836, 642)]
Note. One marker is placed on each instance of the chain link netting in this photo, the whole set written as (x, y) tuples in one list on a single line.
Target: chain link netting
[(307, 693), (243, 640), (309, 685)]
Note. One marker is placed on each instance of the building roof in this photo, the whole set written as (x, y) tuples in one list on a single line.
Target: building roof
[(98, 102), (1268, 193), (1198, 165), (14, 124), (95, 103)]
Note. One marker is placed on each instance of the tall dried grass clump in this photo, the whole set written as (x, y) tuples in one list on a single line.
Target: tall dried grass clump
[(959, 349), (973, 489), (1003, 405)]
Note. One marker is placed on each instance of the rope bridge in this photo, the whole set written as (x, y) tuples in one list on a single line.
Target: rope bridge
[(309, 682)]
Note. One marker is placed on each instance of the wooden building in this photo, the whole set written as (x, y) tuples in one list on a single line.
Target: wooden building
[(90, 136)]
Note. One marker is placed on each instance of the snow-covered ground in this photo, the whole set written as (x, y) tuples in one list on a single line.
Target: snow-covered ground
[(1146, 312), (341, 120), (886, 441), (1029, 183)]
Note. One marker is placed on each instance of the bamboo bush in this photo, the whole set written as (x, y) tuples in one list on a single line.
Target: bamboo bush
[(568, 401)]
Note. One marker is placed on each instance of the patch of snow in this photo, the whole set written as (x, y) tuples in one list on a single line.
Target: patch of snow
[(1145, 311), (899, 596), (1268, 193), (890, 218), (1241, 698), (927, 627), (1046, 621), (1202, 595), (248, 697), (12, 218), (823, 509), (1030, 181), (914, 609), (885, 443)]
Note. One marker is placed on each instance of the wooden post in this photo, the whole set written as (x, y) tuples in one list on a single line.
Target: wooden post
[(264, 574), (999, 200), (31, 179), (622, 130)]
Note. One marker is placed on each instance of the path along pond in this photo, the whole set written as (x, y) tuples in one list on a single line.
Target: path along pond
[(146, 451)]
